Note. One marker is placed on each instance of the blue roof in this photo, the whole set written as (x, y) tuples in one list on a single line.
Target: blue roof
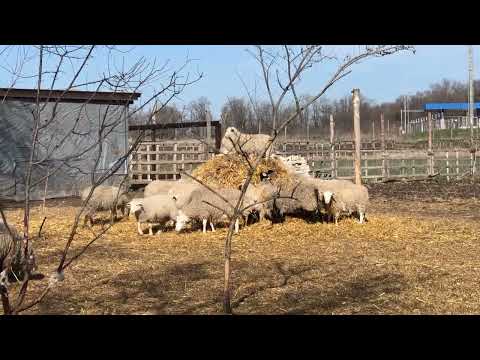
[(450, 106)]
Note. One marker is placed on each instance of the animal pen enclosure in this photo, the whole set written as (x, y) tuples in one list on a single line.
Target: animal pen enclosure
[(386, 159), (159, 159)]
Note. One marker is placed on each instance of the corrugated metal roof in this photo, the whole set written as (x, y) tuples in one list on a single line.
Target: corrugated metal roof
[(72, 96), (450, 106)]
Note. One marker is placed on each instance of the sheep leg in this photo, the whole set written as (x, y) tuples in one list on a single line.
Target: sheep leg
[(150, 229), (336, 219), (204, 224), (213, 228), (362, 216), (139, 228), (236, 226)]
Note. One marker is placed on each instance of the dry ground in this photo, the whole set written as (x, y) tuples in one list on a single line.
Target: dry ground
[(418, 254)]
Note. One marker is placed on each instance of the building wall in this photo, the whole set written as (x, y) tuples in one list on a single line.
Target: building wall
[(70, 156)]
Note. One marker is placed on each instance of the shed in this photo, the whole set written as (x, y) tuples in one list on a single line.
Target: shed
[(71, 155)]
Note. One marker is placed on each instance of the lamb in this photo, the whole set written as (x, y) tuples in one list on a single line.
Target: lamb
[(160, 208), (103, 198), (198, 209), (346, 200), (234, 140), (12, 255)]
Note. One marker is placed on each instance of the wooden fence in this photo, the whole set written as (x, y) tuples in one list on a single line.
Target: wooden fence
[(378, 165), (163, 160)]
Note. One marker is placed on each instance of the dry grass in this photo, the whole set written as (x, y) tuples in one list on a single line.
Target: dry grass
[(229, 171), (399, 262)]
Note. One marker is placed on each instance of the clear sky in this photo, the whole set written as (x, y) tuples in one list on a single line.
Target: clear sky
[(379, 79)]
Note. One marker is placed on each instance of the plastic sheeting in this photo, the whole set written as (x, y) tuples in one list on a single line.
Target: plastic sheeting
[(68, 146)]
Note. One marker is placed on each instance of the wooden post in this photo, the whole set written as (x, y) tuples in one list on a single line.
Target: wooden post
[(208, 118), (430, 152), (448, 167), (332, 146), (218, 135), (373, 129), (356, 134), (384, 151), (457, 170), (366, 165), (175, 161), (149, 164)]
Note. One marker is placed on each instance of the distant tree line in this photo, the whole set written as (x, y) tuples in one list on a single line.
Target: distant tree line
[(255, 116)]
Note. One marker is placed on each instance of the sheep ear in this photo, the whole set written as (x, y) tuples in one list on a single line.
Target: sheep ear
[(174, 197)]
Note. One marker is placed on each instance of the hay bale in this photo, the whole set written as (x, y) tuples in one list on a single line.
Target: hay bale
[(229, 171)]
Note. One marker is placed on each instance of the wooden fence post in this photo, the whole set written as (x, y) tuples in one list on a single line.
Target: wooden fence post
[(332, 146), (448, 167), (457, 168), (175, 161), (373, 129), (208, 118), (384, 151), (356, 132), (430, 152)]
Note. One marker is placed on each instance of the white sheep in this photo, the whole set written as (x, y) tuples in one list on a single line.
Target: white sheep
[(12, 255), (160, 208), (133, 204), (298, 196), (182, 191), (163, 186), (346, 199), (199, 209), (104, 198), (235, 142)]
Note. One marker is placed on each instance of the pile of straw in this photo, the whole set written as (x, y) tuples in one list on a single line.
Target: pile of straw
[(229, 171)]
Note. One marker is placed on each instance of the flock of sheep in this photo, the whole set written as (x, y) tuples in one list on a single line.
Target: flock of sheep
[(186, 201)]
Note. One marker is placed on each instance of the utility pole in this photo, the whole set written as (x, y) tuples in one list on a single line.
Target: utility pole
[(471, 106), (470, 91)]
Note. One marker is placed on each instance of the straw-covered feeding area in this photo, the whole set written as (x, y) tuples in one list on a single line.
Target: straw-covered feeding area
[(419, 253), (229, 171)]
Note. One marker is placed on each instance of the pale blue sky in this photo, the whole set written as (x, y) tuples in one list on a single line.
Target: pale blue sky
[(379, 79)]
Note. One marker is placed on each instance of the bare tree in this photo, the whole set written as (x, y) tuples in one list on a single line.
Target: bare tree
[(90, 134), (282, 71)]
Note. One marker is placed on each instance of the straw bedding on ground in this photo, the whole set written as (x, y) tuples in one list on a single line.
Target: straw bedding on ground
[(404, 261)]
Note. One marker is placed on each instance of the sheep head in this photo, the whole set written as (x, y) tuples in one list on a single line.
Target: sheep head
[(327, 197), (181, 221)]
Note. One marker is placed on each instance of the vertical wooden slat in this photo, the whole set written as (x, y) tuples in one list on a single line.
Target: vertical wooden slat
[(332, 146), (384, 150), (430, 152), (175, 160), (448, 166), (357, 135), (457, 164)]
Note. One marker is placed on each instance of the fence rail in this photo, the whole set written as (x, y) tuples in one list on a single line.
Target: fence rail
[(378, 165)]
